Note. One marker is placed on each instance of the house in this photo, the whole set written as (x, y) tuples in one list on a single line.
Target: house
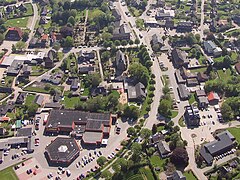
[(236, 19), (54, 78), (74, 84), (84, 56), (156, 39), (14, 34), (184, 94), (39, 100), (187, 74), (176, 175), (121, 32), (237, 67), (211, 48), (26, 70), (43, 20), (99, 90), (213, 98), (5, 89), (184, 26), (169, 23), (40, 31), (192, 82), (191, 116), (179, 58), (49, 58), (2, 131), (6, 108), (223, 143), (121, 63), (202, 77), (86, 69), (116, 14), (154, 139), (21, 98), (179, 77), (163, 149), (44, 41), (160, 3), (202, 99), (15, 67), (135, 92), (200, 93), (44, 11)]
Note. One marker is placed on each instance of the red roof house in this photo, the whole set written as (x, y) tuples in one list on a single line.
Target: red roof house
[(14, 34), (213, 98)]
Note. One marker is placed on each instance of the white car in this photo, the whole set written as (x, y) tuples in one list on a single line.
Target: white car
[(68, 172)]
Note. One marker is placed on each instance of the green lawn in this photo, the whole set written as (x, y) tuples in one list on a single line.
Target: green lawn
[(174, 113), (140, 24), (156, 161), (29, 9), (8, 174), (235, 132), (69, 103), (189, 175), (30, 98), (146, 173), (37, 71), (142, 173), (17, 22), (42, 90), (181, 122), (199, 70), (192, 99)]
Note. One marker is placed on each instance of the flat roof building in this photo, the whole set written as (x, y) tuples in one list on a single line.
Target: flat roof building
[(62, 151)]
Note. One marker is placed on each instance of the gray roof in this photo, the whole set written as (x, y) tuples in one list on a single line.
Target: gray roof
[(39, 99), (183, 92), (179, 56), (224, 140), (92, 137), (24, 132), (163, 148), (178, 175), (210, 44), (156, 39), (136, 91), (203, 99), (200, 93), (120, 60)]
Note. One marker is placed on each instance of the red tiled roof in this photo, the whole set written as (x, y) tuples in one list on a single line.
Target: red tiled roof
[(20, 33), (212, 95), (44, 37)]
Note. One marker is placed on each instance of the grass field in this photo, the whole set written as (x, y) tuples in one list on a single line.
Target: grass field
[(17, 22), (181, 122), (8, 174), (189, 175), (142, 174), (235, 132), (174, 113), (192, 99), (69, 103), (30, 98), (224, 76)]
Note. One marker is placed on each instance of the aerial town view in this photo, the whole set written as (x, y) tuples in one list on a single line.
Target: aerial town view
[(119, 89)]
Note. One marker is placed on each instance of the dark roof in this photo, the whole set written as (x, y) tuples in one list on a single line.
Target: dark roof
[(2, 130), (24, 132), (86, 69), (62, 149), (6, 108), (206, 155), (58, 118), (39, 99), (200, 93), (120, 60), (53, 105), (183, 92), (136, 91), (163, 148), (21, 97), (179, 56)]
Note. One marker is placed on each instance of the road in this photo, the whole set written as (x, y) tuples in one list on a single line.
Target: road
[(100, 65), (34, 20), (202, 20)]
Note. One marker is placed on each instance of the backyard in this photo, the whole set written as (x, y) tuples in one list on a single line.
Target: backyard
[(235, 132), (156, 161)]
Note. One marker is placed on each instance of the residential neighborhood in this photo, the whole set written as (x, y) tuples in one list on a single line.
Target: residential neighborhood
[(119, 89)]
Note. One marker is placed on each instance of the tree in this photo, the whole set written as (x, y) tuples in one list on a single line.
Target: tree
[(25, 36), (20, 45), (68, 41), (106, 175), (71, 20), (32, 109), (105, 56), (227, 113), (123, 42), (139, 72), (56, 46), (137, 41), (14, 48), (136, 148), (165, 107), (145, 133), (131, 112), (131, 131), (101, 160), (179, 157), (117, 42), (1, 37), (93, 80), (150, 151), (106, 36), (154, 129)]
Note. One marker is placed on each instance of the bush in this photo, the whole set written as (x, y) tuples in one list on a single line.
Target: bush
[(151, 94), (151, 88), (152, 81), (101, 160)]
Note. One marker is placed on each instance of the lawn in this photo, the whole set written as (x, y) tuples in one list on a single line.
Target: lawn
[(141, 174), (192, 99), (37, 71), (199, 69), (69, 103), (135, 12), (30, 98), (235, 132), (181, 122), (140, 24), (174, 113), (8, 174), (17, 22), (146, 173), (189, 175), (42, 90), (29, 9), (156, 161)]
